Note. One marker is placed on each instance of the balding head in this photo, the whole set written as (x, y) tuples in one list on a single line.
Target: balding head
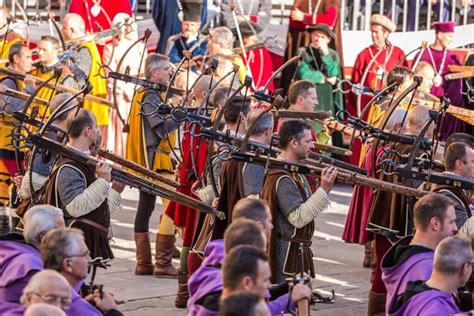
[(47, 286), (43, 309), (417, 118), (396, 119), (427, 72), (73, 26), (201, 89)]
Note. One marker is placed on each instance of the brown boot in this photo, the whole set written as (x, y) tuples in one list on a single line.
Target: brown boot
[(182, 296), (144, 264), (376, 305), (164, 254), (367, 255)]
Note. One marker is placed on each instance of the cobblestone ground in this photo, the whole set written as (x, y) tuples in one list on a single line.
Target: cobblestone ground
[(338, 265)]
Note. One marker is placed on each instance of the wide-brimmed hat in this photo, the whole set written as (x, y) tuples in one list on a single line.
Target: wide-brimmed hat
[(322, 28)]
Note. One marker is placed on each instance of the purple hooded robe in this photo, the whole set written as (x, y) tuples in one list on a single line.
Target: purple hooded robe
[(19, 261), (404, 263), (420, 299), (205, 285), (11, 309), (80, 306)]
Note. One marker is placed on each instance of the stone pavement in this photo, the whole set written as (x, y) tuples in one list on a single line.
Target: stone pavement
[(338, 265)]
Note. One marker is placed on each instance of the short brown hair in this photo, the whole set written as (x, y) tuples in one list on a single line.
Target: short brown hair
[(430, 206), (243, 232), (53, 40), (250, 208), (299, 88), (241, 262), (454, 152), (57, 245)]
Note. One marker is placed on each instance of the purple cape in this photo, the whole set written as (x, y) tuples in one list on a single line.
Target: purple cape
[(419, 299), (11, 309), (18, 262), (80, 306), (404, 263), (207, 279)]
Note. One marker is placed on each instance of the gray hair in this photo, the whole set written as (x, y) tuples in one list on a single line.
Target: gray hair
[(264, 123), (223, 36), (396, 118), (451, 255), (39, 220), (152, 62), (38, 280), (59, 244), (59, 99)]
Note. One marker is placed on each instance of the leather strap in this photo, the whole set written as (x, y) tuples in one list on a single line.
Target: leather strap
[(107, 231)]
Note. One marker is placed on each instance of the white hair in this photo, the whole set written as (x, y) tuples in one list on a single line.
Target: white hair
[(40, 279), (40, 219)]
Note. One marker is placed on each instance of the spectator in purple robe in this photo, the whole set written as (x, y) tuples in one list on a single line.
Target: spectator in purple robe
[(452, 269), (65, 251), (20, 256), (411, 258), (47, 286)]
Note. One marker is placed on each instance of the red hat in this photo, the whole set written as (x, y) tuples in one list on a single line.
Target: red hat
[(444, 27)]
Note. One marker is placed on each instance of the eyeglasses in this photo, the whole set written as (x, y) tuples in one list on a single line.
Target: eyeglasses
[(64, 302), (84, 254)]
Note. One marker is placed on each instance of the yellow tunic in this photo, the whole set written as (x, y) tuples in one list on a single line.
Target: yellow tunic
[(136, 148), (7, 122), (99, 85), (47, 93), (12, 38)]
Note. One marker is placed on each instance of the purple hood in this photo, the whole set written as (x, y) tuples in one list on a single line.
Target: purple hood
[(207, 279), (419, 299), (404, 263), (18, 262)]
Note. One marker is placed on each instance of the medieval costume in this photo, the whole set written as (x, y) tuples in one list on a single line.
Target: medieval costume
[(373, 64), (420, 299), (87, 202), (191, 13), (166, 18), (316, 67), (461, 199), (286, 193), (6, 42), (149, 144), (257, 11), (18, 263), (405, 263), (89, 62), (115, 139), (45, 72), (8, 163), (259, 60), (314, 12), (451, 89)]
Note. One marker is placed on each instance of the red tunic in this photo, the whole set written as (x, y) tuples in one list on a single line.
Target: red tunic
[(389, 57), (112, 7), (260, 63), (184, 216)]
